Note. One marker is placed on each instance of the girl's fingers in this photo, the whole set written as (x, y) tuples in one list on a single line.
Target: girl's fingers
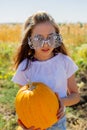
[(61, 109), (57, 95), (21, 124), (37, 129), (60, 112), (24, 128), (60, 115), (31, 128)]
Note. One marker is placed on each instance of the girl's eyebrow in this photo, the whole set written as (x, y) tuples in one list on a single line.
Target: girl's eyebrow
[(43, 36), (51, 33)]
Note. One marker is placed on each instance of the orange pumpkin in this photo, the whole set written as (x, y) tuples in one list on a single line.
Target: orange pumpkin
[(37, 105)]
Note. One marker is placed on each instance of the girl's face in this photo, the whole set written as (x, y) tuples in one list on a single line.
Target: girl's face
[(43, 31)]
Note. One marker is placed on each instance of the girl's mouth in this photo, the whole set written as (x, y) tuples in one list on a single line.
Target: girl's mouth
[(45, 50)]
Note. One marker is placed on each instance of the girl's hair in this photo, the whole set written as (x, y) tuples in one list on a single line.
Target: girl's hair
[(24, 51)]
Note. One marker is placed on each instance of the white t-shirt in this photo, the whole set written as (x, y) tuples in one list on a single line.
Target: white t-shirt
[(53, 72)]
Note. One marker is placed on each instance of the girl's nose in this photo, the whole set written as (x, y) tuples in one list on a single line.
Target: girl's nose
[(45, 43)]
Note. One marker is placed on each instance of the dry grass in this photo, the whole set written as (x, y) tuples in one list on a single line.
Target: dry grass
[(73, 34), (10, 33)]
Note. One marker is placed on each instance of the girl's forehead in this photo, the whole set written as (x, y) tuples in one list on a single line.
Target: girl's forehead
[(43, 29)]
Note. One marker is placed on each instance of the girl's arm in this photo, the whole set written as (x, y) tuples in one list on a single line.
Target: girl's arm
[(73, 95)]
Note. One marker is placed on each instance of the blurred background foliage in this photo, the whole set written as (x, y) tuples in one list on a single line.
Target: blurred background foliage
[(75, 39)]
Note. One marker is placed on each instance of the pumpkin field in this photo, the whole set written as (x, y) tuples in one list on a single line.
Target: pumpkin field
[(75, 40)]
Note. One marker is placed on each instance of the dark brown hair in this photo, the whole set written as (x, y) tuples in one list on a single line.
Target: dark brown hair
[(24, 51)]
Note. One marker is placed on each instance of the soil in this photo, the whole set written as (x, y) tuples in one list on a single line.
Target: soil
[(78, 119)]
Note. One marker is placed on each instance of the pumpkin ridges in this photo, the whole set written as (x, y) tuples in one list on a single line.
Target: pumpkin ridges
[(42, 89), (48, 97), (22, 104), (27, 110), (19, 102), (32, 108), (19, 97), (40, 105), (37, 107), (26, 122), (34, 97)]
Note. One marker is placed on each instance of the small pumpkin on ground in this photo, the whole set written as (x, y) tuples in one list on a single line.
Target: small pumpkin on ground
[(37, 105)]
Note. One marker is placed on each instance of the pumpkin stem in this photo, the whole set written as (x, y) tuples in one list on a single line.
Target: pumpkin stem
[(30, 84), (31, 87)]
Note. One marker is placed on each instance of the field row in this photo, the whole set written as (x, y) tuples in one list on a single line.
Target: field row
[(72, 33)]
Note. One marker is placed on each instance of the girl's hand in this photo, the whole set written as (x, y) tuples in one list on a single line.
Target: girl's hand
[(60, 112), (24, 128)]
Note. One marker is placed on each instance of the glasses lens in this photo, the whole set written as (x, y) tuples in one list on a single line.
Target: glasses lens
[(52, 39), (37, 41), (55, 40), (58, 40)]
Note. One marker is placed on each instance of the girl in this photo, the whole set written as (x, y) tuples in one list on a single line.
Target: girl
[(42, 57)]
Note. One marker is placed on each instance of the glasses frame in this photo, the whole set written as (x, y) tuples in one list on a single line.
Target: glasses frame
[(38, 41)]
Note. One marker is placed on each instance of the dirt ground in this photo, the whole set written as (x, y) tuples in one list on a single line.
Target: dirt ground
[(78, 120)]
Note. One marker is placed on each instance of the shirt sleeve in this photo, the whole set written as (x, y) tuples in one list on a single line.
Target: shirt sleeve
[(71, 67), (19, 76)]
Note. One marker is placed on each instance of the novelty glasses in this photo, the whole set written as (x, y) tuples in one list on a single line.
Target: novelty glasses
[(53, 40)]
